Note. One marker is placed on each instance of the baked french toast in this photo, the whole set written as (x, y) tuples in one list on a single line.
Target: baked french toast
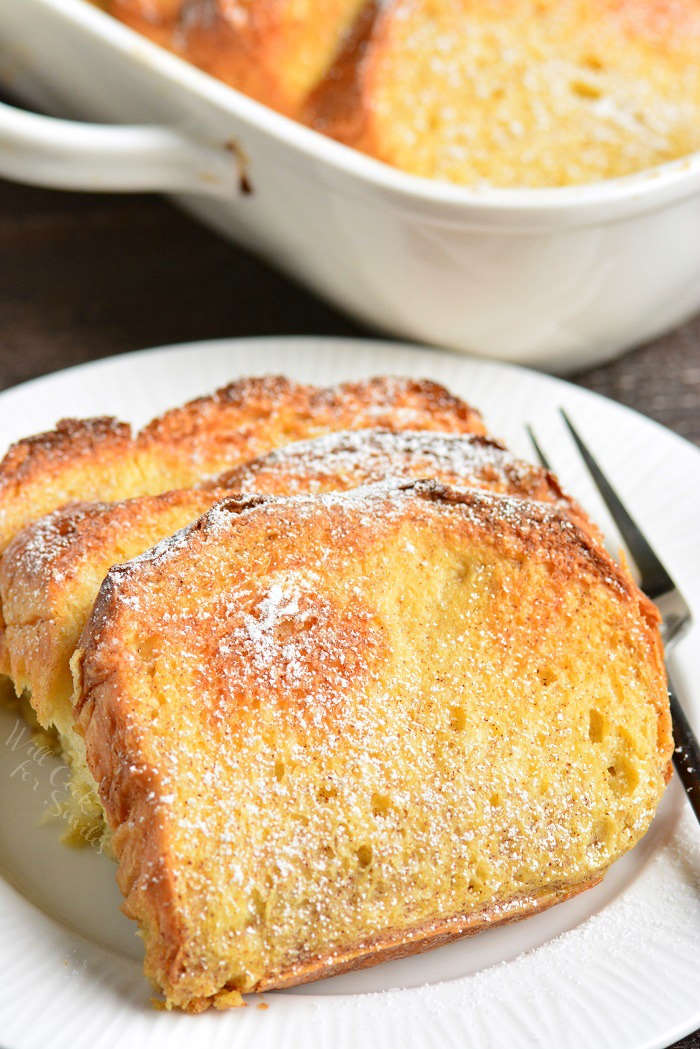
[(517, 93), (522, 93), (80, 458), (51, 572), (333, 729), (276, 51), (352, 458), (252, 416), (100, 459)]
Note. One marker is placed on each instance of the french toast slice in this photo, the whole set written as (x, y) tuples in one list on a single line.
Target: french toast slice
[(100, 459), (273, 50), (352, 458), (333, 729), (522, 93), (252, 416), (79, 459), (51, 572)]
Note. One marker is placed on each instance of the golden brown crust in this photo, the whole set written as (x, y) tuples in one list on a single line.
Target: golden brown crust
[(156, 19), (347, 459), (47, 469), (336, 106), (51, 571), (265, 535), (98, 459), (230, 49), (395, 944), (77, 436), (252, 416), (273, 50)]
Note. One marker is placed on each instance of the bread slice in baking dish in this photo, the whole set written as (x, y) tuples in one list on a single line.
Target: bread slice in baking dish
[(518, 93), (50, 574), (273, 50), (87, 459), (515, 93), (335, 729)]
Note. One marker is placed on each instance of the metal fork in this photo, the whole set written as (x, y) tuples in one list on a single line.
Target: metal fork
[(660, 588)]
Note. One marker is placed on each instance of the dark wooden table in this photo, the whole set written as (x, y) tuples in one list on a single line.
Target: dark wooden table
[(88, 276)]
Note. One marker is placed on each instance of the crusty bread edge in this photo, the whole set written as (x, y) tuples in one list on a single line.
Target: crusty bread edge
[(395, 944), (105, 739), (401, 943)]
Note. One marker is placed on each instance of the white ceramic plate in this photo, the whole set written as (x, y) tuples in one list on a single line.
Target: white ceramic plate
[(616, 967)]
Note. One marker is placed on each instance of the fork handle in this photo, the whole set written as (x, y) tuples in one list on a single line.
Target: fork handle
[(686, 753)]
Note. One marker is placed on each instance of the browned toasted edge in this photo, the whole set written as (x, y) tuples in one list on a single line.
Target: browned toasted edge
[(265, 390), (69, 442), (395, 944), (335, 106), (30, 458), (76, 441), (101, 719), (70, 435), (28, 588), (155, 20), (555, 493)]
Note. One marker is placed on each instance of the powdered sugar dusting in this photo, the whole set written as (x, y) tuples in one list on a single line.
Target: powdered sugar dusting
[(320, 685), (347, 458), (289, 638), (38, 549)]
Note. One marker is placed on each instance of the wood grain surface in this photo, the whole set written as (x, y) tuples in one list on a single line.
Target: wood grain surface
[(86, 276)]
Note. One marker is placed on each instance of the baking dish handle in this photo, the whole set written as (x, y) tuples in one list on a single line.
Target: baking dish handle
[(67, 154)]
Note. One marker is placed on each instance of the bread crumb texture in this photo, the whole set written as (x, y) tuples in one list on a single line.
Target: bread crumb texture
[(499, 92), (52, 571), (66, 516), (325, 727), (531, 92)]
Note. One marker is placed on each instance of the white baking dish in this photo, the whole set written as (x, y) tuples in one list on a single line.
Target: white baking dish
[(559, 278)]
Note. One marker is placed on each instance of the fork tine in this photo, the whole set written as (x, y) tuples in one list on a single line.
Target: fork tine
[(655, 580), (544, 461)]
